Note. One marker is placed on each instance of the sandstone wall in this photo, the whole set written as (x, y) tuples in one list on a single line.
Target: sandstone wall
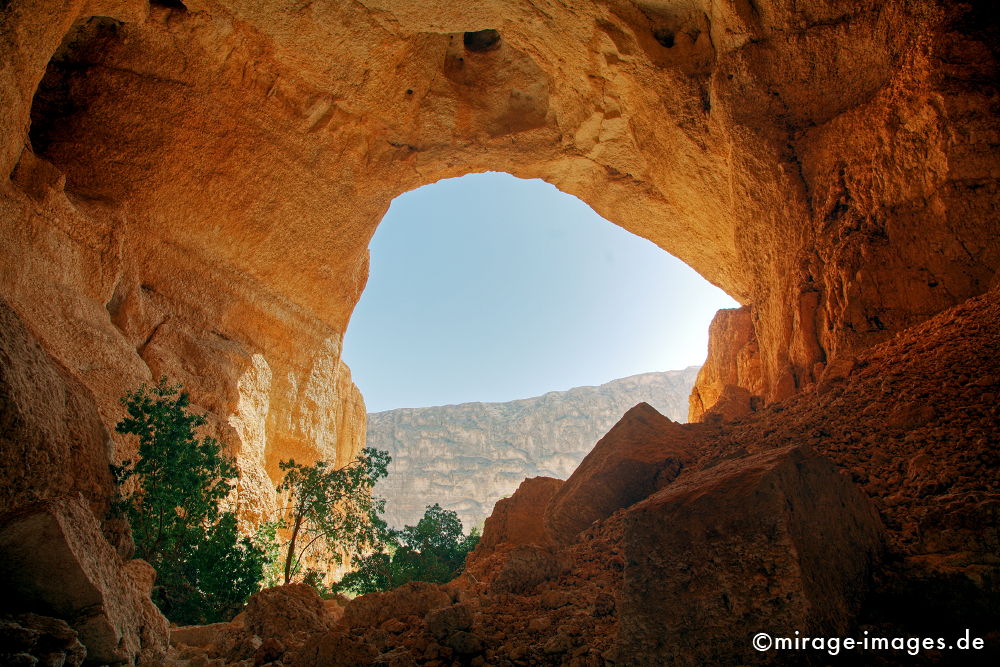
[(732, 369), (193, 187)]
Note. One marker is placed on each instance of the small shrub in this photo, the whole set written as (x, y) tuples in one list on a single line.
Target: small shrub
[(170, 494), (433, 550)]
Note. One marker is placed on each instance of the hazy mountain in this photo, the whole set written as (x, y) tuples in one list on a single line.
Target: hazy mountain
[(468, 456)]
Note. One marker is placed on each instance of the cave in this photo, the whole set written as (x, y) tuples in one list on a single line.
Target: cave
[(480, 41), (191, 193)]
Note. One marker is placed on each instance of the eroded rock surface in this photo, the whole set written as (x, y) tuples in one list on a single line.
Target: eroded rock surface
[(776, 542), (892, 452), (285, 611), (413, 599), (467, 456), (189, 189), (833, 165), (730, 382), (643, 452), (52, 441), (56, 562), (520, 518)]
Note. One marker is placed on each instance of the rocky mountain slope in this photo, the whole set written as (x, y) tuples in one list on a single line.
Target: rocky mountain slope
[(834, 512), (467, 456)]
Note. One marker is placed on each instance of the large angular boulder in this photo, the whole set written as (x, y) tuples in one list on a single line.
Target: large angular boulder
[(777, 542), (516, 552), (287, 612), (55, 561), (519, 519), (522, 568), (198, 635), (641, 453)]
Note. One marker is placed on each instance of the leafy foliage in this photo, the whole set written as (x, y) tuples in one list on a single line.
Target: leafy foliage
[(170, 495), (433, 550), (333, 505)]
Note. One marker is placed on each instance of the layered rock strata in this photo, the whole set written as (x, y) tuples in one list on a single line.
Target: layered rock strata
[(467, 456)]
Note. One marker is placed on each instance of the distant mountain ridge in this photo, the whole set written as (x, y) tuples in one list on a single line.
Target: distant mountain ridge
[(468, 456)]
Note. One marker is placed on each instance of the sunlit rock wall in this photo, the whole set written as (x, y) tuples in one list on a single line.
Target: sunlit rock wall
[(468, 456), (190, 190)]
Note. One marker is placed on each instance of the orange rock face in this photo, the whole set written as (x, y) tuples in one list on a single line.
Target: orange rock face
[(518, 519), (189, 189), (52, 441), (731, 373), (206, 215), (643, 452)]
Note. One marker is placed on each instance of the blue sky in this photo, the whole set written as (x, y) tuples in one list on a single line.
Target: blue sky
[(493, 288)]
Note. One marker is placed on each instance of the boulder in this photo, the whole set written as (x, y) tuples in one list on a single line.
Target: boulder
[(413, 599), (444, 621), (55, 561), (776, 542), (48, 641), (640, 454), (234, 644), (197, 635), (524, 567), (335, 607), (286, 612), (518, 519), (270, 650)]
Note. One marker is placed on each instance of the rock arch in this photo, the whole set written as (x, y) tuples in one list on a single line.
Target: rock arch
[(210, 173)]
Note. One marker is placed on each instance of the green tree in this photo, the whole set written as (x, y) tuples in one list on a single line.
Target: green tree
[(433, 550), (335, 506), (170, 494)]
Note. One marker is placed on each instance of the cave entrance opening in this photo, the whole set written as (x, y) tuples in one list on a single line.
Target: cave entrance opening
[(493, 288)]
